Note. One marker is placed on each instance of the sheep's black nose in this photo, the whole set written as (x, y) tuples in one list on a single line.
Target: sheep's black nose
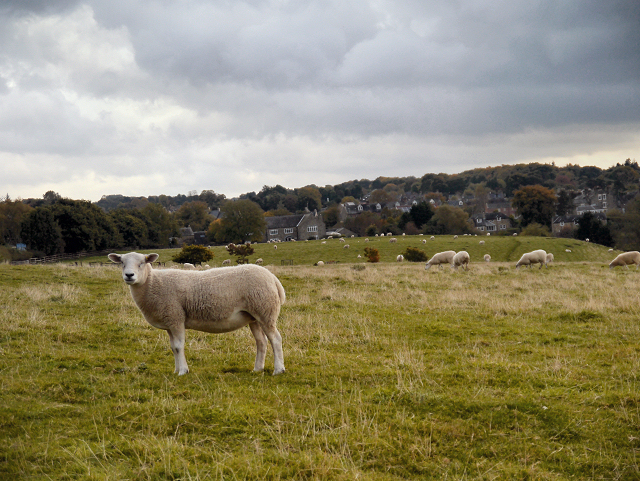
[(128, 275)]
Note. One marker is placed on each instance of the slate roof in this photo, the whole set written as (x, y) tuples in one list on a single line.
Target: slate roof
[(282, 221)]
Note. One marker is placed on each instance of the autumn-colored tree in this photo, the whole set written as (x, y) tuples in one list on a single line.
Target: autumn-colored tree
[(535, 203), (448, 220), (372, 254)]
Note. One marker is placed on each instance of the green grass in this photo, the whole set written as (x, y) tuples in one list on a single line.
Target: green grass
[(393, 372), (500, 248)]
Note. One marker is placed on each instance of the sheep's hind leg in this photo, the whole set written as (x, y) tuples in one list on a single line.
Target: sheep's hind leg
[(276, 344), (261, 346), (176, 339)]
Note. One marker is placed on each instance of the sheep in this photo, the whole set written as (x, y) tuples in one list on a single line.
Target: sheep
[(487, 257), (366, 239), (626, 258), (341, 239), (550, 258), (400, 258), (461, 259), (587, 239), (319, 263), (455, 236), (359, 256), (206, 266), (188, 265), (533, 257), (488, 233), (346, 246), (217, 300), (440, 258), (610, 250), (226, 262), (393, 240), (432, 238), (515, 234), (259, 261), (567, 250), (481, 243), (275, 247), (424, 241)]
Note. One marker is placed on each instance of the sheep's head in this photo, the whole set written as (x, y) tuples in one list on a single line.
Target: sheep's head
[(134, 266)]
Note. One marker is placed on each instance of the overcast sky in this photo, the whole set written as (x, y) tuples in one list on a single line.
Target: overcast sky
[(148, 97)]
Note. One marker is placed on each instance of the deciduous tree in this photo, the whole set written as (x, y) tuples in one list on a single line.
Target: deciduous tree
[(535, 203)]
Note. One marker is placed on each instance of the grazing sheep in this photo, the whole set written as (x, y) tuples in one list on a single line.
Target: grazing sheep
[(481, 242), (346, 246), (216, 300), (188, 265), (487, 257), (549, 258), (440, 258), (359, 256), (533, 257), (400, 258), (488, 233), (226, 262), (320, 263), (366, 239), (275, 247), (587, 239), (455, 236), (393, 240), (432, 238), (610, 250), (626, 258), (323, 242), (515, 234), (424, 241), (341, 239), (259, 261), (206, 266), (567, 250), (461, 259)]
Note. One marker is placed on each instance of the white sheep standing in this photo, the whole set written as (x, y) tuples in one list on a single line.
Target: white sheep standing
[(400, 258), (393, 240), (487, 257), (533, 257), (626, 258), (461, 259), (217, 300), (550, 258), (440, 258)]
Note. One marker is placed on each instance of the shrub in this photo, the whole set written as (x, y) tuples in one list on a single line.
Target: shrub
[(413, 254), (242, 251), (536, 230), (372, 254), (193, 254)]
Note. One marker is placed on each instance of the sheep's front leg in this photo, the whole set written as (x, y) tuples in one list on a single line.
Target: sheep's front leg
[(261, 346), (176, 340)]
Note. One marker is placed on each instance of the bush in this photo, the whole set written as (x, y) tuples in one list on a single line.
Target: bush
[(242, 251), (413, 254), (193, 254), (536, 230), (372, 254)]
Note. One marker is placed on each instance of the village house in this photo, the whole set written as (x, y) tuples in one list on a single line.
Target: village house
[(297, 227), (491, 222), (500, 205), (564, 225)]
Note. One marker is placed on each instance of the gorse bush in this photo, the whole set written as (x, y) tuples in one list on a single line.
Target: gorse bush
[(242, 252), (372, 254), (193, 254), (413, 254)]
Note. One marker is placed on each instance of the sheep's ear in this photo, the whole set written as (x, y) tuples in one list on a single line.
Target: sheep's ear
[(152, 258), (117, 258)]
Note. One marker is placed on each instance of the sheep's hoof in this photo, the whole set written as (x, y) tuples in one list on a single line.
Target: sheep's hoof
[(275, 373), (183, 372)]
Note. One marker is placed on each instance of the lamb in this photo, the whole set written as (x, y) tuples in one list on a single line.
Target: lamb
[(549, 258), (216, 301), (626, 258), (533, 257), (400, 258), (487, 257), (440, 258), (461, 259)]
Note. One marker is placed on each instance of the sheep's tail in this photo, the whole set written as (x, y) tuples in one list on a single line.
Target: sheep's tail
[(281, 293)]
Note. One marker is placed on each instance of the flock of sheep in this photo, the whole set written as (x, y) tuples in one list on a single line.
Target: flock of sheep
[(224, 300)]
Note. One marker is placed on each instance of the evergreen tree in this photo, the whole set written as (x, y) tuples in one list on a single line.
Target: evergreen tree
[(41, 232)]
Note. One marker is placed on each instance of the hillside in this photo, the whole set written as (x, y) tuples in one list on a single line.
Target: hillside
[(501, 249)]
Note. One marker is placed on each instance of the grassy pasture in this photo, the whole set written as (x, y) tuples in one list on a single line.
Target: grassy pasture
[(393, 372)]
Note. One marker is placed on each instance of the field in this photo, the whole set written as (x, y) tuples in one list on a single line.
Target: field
[(393, 372)]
